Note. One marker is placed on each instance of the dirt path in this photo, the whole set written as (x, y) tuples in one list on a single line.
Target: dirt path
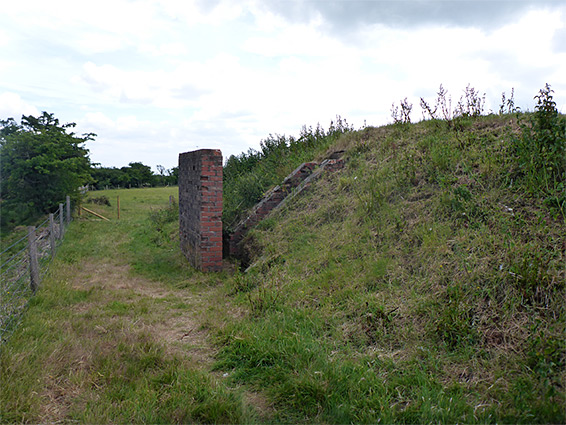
[(180, 320), (174, 319)]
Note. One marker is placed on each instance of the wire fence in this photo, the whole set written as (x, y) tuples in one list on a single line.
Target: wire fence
[(24, 264)]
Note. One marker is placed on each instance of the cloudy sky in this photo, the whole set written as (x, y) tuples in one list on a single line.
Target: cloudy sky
[(153, 78)]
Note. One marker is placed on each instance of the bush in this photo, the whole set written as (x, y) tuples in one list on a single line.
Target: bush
[(41, 162), (101, 200)]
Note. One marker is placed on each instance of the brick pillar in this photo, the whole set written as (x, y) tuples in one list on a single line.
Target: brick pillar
[(200, 208)]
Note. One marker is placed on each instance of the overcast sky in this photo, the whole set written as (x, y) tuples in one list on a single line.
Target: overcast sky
[(154, 78)]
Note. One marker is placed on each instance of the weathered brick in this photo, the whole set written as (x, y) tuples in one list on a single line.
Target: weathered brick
[(200, 208)]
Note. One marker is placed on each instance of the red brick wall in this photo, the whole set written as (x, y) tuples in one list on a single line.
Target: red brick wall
[(200, 208)]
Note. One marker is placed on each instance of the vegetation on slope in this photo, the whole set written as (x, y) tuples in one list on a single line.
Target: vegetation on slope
[(423, 283), (249, 175)]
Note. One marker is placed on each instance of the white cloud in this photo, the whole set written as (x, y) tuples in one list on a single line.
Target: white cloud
[(157, 77), (159, 88), (13, 106), (5, 38), (190, 13)]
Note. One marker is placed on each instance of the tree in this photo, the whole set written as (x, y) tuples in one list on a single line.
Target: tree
[(137, 174), (173, 177), (41, 162), (107, 176)]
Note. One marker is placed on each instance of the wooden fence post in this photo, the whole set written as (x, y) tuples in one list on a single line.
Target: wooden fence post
[(68, 209), (52, 234), (33, 264), (61, 222)]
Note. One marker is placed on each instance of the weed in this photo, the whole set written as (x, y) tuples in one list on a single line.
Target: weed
[(507, 106), (541, 152), (262, 301), (244, 282), (403, 115), (470, 104), (442, 109)]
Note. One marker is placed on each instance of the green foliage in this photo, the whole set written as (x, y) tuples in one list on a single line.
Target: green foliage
[(41, 162), (541, 152), (134, 175), (249, 175)]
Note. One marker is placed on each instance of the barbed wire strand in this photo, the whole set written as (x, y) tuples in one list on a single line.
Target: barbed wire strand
[(14, 244), (13, 257)]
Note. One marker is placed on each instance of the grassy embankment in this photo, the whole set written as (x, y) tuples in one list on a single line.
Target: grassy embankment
[(422, 283)]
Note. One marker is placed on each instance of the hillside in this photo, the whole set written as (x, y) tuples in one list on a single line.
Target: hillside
[(422, 283), (425, 282)]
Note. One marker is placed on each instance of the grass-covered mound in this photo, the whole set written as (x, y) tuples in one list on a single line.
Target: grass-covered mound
[(423, 283)]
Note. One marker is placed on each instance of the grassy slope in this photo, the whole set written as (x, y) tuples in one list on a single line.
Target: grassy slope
[(419, 284)]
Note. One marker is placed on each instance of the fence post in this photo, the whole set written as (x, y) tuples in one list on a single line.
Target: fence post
[(61, 222), (170, 201), (68, 209), (52, 234), (33, 264)]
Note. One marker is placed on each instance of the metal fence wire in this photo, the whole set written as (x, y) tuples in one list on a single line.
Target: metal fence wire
[(24, 264)]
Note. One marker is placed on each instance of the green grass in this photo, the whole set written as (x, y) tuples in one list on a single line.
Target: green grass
[(103, 340), (419, 268), (422, 283)]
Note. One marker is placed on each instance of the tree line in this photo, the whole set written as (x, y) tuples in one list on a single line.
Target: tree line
[(135, 174), (42, 161)]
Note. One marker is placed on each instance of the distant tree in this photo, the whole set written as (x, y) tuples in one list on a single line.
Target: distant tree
[(107, 177), (41, 162), (160, 179), (173, 177), (137, 174)]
